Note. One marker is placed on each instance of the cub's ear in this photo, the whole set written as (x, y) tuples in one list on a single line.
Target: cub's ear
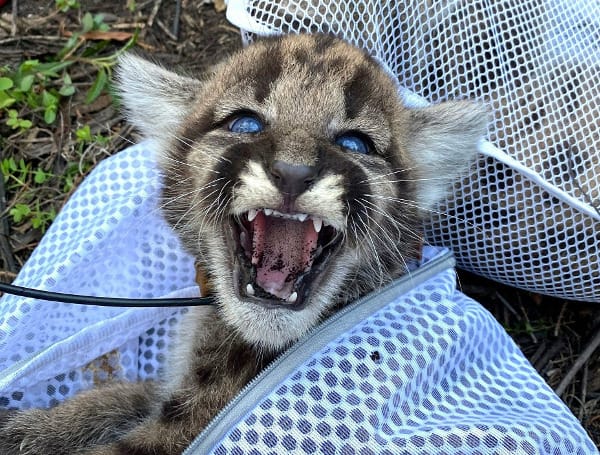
[(154, 99), (442, 141)]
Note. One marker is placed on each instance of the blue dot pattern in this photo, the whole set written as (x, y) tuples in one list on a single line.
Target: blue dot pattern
[(431, 373), (109, 239)]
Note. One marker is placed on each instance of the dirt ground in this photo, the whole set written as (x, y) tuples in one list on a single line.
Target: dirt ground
[(559, 337)]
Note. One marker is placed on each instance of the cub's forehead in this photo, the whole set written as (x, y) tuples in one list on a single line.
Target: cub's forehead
[(316, 81), (312, 67)]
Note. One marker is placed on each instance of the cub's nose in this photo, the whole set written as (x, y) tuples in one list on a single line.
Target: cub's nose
[(292, 179)]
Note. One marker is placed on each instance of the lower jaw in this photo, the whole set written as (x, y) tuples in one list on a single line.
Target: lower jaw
[(241, 278)]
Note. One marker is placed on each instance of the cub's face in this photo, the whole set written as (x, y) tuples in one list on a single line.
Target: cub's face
[(295, 175)]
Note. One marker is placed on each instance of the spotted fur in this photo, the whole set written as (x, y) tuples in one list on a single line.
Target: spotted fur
[(305, 92)]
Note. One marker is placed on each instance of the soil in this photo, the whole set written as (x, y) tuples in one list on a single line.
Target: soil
[(559, 337)]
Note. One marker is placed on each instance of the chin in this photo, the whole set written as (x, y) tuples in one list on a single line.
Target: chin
[(270, 322)]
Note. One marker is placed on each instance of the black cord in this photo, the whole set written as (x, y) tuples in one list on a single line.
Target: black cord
[(103, 301)]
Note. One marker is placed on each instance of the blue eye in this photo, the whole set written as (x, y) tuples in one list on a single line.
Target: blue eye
[(246, 124), (353, 143)]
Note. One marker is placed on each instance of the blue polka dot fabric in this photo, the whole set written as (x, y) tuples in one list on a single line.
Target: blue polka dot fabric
[(431, 372), (108, 240)]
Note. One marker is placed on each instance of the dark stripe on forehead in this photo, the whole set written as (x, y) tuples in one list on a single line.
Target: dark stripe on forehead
[(357, 91), (267, 70)]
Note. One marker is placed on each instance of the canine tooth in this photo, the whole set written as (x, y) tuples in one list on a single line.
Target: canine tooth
[(301, 216), (317, 223), (293, 297), (268, 212), (252, 214), (249, 289)]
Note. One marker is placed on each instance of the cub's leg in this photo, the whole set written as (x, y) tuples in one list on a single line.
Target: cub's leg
[(98, 416), (186, 411)]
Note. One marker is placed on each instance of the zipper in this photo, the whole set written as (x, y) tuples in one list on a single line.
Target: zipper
[(286, 363)]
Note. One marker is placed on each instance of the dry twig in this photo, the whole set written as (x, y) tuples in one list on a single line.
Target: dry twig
[(579, 363), (153, 13), (13, 18)]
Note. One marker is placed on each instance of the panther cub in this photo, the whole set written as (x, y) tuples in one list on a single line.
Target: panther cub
[(295, 174)]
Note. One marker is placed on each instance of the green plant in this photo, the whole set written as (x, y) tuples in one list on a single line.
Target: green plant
[(84, 136), (66, 5), (40, 219), (14, 172), (15, 122), (20, 178), (33, 93), (37, 88)]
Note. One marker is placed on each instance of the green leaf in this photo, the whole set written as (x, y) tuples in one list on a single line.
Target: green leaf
[(49, 100), (19, 212), (37, 222), (5, 100), (40, 176), (50, 114), (99, 23), (66, 5), (5, 83), (84, 134), (97, 87), (25, 124), (26, 83), (67, 90), (51, 69), (23, 166), (8, 166), (28, 65), (88, 22)]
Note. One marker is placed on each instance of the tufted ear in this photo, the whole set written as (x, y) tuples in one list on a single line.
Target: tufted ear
[(442, 141), (154, 99)]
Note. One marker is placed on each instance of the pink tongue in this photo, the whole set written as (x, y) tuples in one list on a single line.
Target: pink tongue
[(281, 250)]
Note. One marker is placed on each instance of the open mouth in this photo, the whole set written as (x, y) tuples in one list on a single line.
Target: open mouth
[(281, 255)]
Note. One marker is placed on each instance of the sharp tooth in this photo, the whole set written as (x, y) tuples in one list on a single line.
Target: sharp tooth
[(292, 298), (317, 223), (268, 212), (252, 214), (301, 216), (249, 289)]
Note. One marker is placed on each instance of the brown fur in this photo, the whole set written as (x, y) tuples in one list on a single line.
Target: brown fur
[(307, 91)]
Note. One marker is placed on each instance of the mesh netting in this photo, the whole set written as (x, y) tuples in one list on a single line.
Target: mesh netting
[(431, 372), (108, 240), (528, 214)]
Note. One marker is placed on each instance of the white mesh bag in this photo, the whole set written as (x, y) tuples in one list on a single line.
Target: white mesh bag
[(528, 214), (417, 368), (108, 240)]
